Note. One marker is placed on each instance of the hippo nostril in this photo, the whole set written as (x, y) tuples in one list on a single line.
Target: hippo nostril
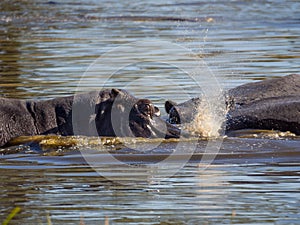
[(146, 108)]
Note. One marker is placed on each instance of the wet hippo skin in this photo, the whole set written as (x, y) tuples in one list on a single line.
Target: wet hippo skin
[(268, 104), (110, 112)]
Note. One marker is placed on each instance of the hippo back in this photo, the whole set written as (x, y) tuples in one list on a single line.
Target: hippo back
[(269, 88), (269, 104), (15, 119), (278, 113)]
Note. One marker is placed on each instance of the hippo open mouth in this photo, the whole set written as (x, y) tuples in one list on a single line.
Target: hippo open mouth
[(145, 122), (123, 115)]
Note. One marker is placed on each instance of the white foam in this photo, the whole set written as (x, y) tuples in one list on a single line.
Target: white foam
[(209, 120)]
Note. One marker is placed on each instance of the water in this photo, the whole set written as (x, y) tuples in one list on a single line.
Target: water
[(46, 47)]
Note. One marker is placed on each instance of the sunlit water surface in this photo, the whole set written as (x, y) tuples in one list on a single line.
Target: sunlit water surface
[(50, 49)]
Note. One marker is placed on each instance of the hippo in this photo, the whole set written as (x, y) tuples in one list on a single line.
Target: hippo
[(271, 104), (109, 112)]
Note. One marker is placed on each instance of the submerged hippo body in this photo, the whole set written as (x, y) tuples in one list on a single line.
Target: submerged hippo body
[(110, 112), (272, 104)]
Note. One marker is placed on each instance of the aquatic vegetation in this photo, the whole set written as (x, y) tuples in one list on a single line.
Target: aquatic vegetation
[(267, 134), (17, 209), (12, 214), (46, 142), (55, 145)]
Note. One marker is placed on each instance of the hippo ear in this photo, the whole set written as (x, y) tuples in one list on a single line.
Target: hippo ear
[(156, 111), (168, 105)]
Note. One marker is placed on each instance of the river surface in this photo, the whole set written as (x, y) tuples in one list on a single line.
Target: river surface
[(158, 50)]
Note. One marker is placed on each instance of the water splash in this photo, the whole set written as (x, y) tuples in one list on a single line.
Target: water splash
[(209, 120)]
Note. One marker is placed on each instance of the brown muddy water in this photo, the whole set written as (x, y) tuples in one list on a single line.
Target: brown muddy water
[(50, 49)]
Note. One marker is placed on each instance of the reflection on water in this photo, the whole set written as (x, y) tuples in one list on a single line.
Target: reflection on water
[(245, 174), (248, 193), (9, 67), (46, 46)]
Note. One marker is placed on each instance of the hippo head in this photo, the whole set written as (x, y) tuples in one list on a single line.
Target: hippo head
[(118, 113), (183, 112)]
